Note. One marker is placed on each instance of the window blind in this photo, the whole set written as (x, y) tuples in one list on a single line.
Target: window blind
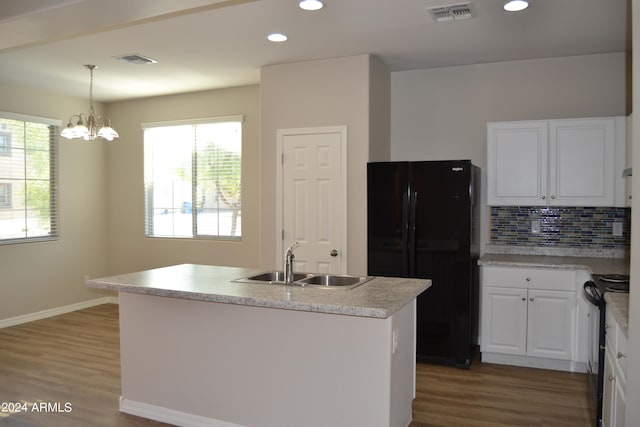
[(28, 178), (193, 178)]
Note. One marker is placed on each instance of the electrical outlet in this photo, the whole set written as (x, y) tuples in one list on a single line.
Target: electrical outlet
[(616, 229), (535, 226)]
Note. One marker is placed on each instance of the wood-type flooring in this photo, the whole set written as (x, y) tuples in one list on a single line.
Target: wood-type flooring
[(65, 371)]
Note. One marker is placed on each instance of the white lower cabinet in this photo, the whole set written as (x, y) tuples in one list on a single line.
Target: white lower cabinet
[(613, 405), (528, 316), (550, 323), (528, 321)]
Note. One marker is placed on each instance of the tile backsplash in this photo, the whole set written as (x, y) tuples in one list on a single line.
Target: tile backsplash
[(560, 227)]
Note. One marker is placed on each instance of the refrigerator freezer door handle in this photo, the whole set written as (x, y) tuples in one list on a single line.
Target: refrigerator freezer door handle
[(406, 207), (413, 204)]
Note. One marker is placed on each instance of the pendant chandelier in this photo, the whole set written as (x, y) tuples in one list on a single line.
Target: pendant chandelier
[(89, 126)]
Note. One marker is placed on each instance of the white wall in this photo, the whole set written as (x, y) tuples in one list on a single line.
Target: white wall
[(129, 249), (441, 113), (44, 275), (331, 92), (632, 411)]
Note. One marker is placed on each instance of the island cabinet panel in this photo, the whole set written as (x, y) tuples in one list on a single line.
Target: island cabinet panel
[(190, 362)]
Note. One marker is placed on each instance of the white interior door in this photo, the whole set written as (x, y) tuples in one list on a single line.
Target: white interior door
[(312, 197)]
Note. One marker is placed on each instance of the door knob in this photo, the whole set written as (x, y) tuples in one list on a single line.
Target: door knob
[(333, 252)]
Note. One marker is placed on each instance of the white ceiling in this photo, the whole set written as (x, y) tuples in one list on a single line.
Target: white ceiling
[(208, 44)]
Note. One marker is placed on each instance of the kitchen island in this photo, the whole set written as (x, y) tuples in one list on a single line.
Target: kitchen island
[(199, 348)]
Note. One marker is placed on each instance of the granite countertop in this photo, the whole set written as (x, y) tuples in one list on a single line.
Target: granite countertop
[(592, 264), (618, 304), (378, 298)]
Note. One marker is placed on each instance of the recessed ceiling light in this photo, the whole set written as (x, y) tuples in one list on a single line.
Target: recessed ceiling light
[(277, 37), (310, 4), (516, 5)]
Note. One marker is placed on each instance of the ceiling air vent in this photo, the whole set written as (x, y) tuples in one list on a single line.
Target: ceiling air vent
[(134, 58), (451, 12)]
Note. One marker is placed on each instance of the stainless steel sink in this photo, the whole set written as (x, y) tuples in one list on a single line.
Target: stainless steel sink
[(276, 277), (330, 280), (307, 279)]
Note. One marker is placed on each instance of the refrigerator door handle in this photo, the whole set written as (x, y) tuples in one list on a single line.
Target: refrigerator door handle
[(413, 204), (405, 233)]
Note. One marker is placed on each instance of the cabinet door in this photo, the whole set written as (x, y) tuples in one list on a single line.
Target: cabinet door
[(619, 403), (550, 324), (517, 163), (504, 320), (582, 162), (608, 410)]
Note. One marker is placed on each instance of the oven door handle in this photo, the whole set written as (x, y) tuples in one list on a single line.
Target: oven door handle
[(592, 294)]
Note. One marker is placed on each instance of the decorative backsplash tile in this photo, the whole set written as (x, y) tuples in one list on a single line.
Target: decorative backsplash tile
[(561, 227)]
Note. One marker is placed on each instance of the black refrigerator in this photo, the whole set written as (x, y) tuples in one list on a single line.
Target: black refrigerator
[(423, 222)]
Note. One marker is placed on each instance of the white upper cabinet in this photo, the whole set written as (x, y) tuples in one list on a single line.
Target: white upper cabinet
[(572, 162), (516, 163), (581, 162)]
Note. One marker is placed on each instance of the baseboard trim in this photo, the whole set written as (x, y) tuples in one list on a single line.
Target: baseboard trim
[(534, 362), (170, 416), (13, 321)]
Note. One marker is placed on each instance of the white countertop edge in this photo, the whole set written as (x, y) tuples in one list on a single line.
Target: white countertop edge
[(582, 252), (593, 265), (309, 306)]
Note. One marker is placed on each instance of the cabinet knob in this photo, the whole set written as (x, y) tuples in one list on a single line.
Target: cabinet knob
[(544, 197), (523, 298), (553, 197), (528, 279), (621, 355), (531, 299)]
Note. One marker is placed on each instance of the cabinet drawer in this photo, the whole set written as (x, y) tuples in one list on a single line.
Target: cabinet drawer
[(535, 278)]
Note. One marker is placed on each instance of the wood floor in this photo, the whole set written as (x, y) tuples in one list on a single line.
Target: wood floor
[(68, 366)]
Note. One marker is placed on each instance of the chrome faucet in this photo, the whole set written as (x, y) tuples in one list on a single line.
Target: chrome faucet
[(288, 264)]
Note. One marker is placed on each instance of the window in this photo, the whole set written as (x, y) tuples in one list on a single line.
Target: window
[(192, 173), (28, 178)]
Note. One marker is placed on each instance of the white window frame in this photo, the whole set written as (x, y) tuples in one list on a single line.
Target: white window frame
[(14, 212)]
